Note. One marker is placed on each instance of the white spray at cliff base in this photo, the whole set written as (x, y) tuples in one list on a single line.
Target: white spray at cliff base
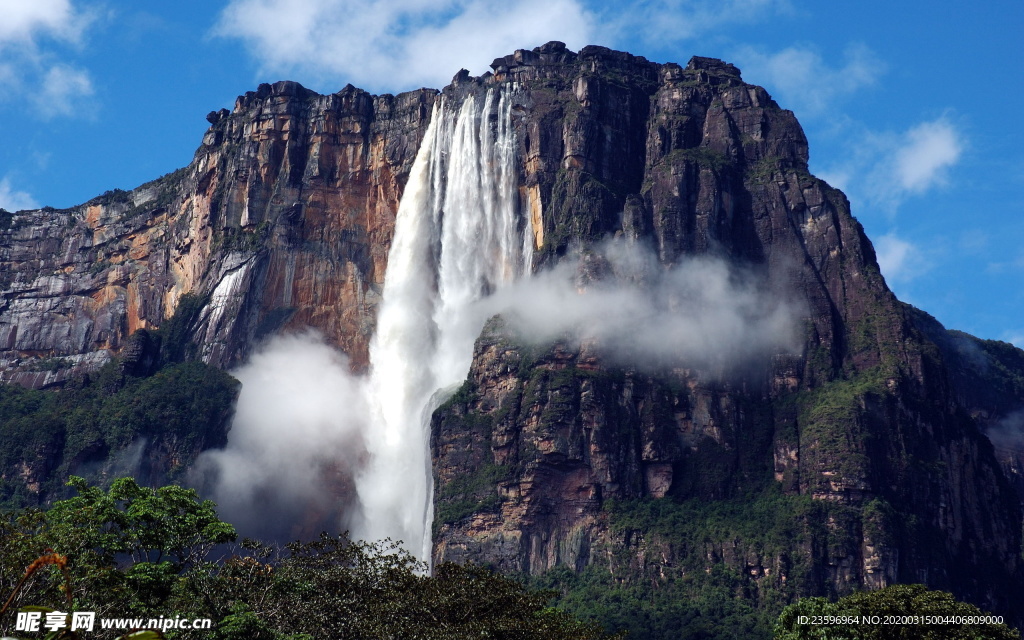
[(299, 422)]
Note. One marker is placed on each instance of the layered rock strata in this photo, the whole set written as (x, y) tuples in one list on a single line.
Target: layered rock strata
[(282, 220)]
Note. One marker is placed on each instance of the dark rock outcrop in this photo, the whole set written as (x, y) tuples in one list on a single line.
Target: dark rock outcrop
[(875, 421)]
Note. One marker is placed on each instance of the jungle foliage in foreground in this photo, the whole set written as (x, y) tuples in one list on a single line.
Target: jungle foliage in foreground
[(897, 612), (135, 552)]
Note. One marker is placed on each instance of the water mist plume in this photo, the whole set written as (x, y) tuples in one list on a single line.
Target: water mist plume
[(702, 312), (294, 443)]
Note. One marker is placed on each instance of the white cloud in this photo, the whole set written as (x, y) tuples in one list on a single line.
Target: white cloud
[(910, 163), (884, 169), (394, 45), (31, 69), (926, 152), (668, 22), (24, 21), (63, 91), (804, 82), (899, 260), (12, 200), (397, 44)]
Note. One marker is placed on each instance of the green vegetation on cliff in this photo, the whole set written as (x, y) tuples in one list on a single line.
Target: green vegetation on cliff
[(92, 424), (704, 568), (98, 423)]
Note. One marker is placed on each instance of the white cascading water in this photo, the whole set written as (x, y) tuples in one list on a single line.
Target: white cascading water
[(459, 235)]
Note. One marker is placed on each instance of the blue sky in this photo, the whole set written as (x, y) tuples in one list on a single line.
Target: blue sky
[(912, 108)]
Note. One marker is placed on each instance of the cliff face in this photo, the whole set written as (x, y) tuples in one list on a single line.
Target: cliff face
[(864, 454), (872, 422), (283, 219)]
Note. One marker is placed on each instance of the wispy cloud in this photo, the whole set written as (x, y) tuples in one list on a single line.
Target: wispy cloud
[(26, 21), (899, 259), (925, 154), (883, 169), (1013, 264), (804, 81), (669, 22), (32, 70), (13, 200), (396, 44), (64, 91)]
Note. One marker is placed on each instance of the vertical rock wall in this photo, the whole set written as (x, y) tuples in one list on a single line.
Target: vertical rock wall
[(532, 454), (283, 219)]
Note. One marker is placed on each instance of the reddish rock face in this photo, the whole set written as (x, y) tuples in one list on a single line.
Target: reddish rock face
[(284, 218)]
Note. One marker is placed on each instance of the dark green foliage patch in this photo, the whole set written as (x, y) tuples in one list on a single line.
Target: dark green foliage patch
[(55, 433), (89, 426), (134, 552), (704, 568)]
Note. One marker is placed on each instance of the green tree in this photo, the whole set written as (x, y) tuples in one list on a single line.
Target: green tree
[(124, 547), (132, 551), (338, 588), (937, 615)]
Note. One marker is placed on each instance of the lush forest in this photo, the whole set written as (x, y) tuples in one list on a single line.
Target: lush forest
[(132, 552), (135, 552)]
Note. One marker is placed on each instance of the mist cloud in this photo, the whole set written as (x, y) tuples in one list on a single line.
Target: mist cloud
[(1008, 433), (701, 313), (294, 444)]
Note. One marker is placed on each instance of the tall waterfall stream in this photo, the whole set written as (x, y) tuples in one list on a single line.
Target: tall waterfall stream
[(459, 235)]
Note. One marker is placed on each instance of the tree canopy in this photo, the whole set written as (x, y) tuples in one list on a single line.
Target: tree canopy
[(897, 612), (135, 552)]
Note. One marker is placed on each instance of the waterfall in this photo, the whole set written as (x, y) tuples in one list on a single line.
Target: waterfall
[(459, 236)]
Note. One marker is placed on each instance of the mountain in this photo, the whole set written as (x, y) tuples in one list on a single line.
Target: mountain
[(874, 447)]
